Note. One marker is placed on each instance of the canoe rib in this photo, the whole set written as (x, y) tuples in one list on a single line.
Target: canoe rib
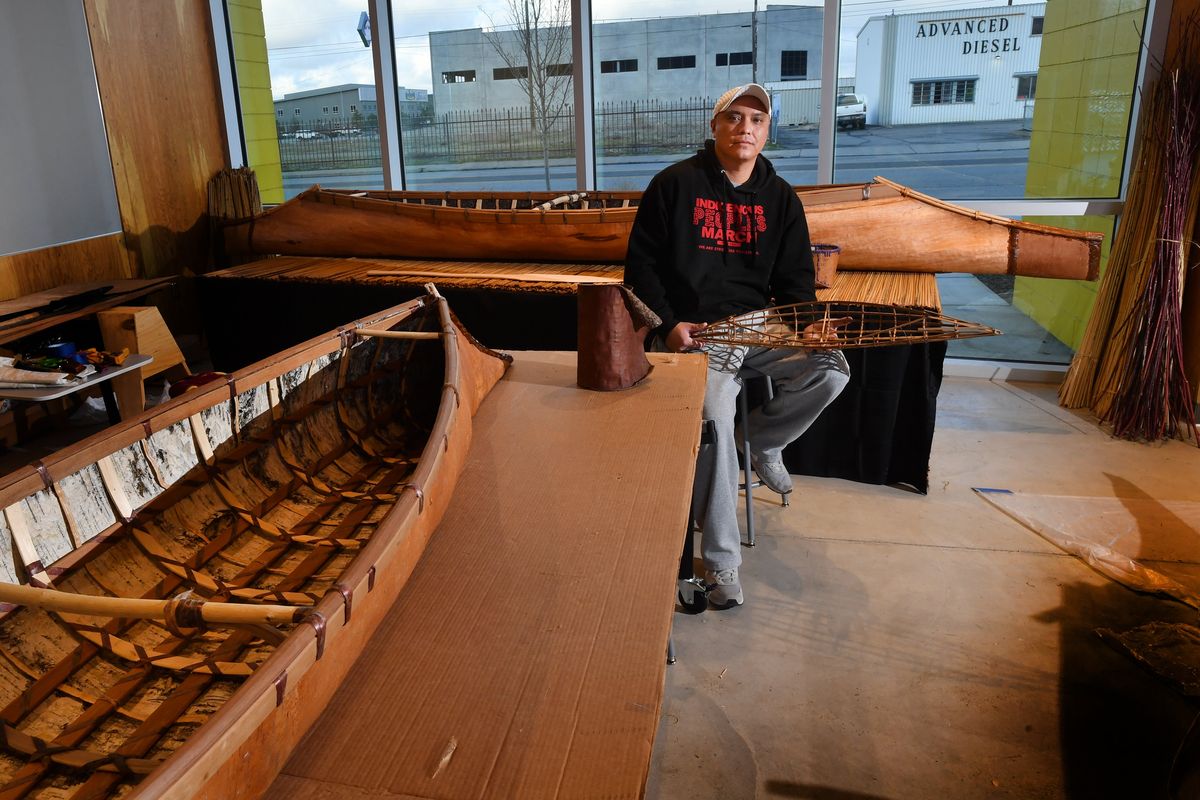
[(879, 226), (237, 752)]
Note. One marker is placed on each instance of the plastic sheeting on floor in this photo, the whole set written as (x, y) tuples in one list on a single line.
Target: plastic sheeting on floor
[(1146, 544)]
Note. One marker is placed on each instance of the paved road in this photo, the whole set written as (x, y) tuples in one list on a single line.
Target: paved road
[(978, 160)]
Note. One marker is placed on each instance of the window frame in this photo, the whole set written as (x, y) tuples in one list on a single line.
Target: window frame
[(1158, 13)]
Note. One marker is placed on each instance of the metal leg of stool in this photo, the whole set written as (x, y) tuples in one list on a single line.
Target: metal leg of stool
[(671, 650), (746, 467), (783, 498)]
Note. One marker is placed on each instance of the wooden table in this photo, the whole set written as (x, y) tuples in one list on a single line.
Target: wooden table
[(526, 656), (30, 320)]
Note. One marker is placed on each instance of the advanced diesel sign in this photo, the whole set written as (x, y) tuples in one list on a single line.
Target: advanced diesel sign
[(977, 35)]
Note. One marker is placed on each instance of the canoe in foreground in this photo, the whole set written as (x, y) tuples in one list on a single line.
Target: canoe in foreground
[(879, 226), (309, 480)]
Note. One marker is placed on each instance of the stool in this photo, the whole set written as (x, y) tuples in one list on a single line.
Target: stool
[(744, 409)]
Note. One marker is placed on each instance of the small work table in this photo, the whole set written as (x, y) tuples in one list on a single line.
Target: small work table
[(102, 377), (527, 654)]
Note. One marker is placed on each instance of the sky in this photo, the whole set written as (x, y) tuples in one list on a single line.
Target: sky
[(314, 43)]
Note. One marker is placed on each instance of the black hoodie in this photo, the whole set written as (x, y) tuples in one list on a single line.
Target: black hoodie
[(702, 249)]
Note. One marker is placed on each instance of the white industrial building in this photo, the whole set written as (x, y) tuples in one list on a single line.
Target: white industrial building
[(950, 66), (666, 59)]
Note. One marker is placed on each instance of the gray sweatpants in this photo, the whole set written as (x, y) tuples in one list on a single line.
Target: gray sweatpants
[(806, 381)]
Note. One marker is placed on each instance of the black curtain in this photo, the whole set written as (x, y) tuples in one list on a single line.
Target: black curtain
[(880, 429)]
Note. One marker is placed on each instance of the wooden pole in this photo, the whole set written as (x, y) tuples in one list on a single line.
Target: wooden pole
[(209, 613)]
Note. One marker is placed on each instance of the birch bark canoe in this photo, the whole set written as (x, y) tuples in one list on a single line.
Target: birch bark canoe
[(879, 226), (309, 481)]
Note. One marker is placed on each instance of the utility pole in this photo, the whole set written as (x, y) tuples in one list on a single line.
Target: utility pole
[(754, 44)]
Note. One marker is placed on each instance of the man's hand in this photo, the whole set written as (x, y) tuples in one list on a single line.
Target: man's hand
[(826, 329), (680, 340)]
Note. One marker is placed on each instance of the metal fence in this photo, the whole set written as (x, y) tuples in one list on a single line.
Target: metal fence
[(622, 128)]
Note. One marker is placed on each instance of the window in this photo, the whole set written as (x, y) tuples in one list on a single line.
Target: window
[(735, 59), (296, 112), (677, 62), (509, 73), (621, 65), (1026, 87), (337, 110), (559, 70), (793, 65), (324, 109), (353, 109), (1036, 29), (279, 112), (459, 76), (934, 93)]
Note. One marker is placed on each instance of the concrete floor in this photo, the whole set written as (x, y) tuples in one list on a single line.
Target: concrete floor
[(903, 646)]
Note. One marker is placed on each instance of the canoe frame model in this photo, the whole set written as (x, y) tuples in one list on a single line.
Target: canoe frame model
[(873, 224), (241, 747), (853, 325)]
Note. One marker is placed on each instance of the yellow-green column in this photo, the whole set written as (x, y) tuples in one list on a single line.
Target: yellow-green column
[(1085, 87), (254, 91)]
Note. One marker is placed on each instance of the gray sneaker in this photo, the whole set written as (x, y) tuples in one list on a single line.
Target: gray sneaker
[(772, 473), (724, 589)]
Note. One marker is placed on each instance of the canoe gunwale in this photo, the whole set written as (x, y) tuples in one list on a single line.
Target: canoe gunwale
[(281, 678)]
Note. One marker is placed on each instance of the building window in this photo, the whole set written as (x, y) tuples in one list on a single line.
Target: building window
[(337, 109), (1026, 87), (1036, 29), (353, 109), (735, 59), (296, 112), (934, 93), (677, 62), (558, 70), (460, 76), (509, 73), (279, 112), (324, 109), (621, 65), (793, 65)]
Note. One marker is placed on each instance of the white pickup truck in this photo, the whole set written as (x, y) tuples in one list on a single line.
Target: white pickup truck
[(851, 111)]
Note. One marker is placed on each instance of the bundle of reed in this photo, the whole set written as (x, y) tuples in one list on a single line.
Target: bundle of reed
[(1154, 400), (1101, 367), (233, 194), (886, 288)]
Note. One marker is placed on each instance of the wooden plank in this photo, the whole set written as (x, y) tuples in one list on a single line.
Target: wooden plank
[(154, 63), (100, 259), (123, 291), (507, 668)]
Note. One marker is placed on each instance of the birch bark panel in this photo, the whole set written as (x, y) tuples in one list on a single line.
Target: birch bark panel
[(219, 427), (8, 567), (47, 527), (253, 410), (174, 451), (136, 475), (87, 502)]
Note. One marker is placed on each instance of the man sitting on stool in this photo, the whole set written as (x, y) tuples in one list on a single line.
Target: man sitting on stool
[(721, 234)]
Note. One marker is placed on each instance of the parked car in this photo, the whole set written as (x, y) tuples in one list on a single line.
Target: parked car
[(307, 134), (851, 111)]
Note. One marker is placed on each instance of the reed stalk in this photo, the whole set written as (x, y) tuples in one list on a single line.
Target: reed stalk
[(1129, 368), (1154, 400)]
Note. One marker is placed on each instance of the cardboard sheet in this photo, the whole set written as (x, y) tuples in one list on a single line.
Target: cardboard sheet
[(526, 656)]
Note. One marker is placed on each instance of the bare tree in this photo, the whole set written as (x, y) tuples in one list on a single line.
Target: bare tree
[(537, 51)]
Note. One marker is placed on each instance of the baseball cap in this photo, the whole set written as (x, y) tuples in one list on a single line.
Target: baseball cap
[(751, 89)]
